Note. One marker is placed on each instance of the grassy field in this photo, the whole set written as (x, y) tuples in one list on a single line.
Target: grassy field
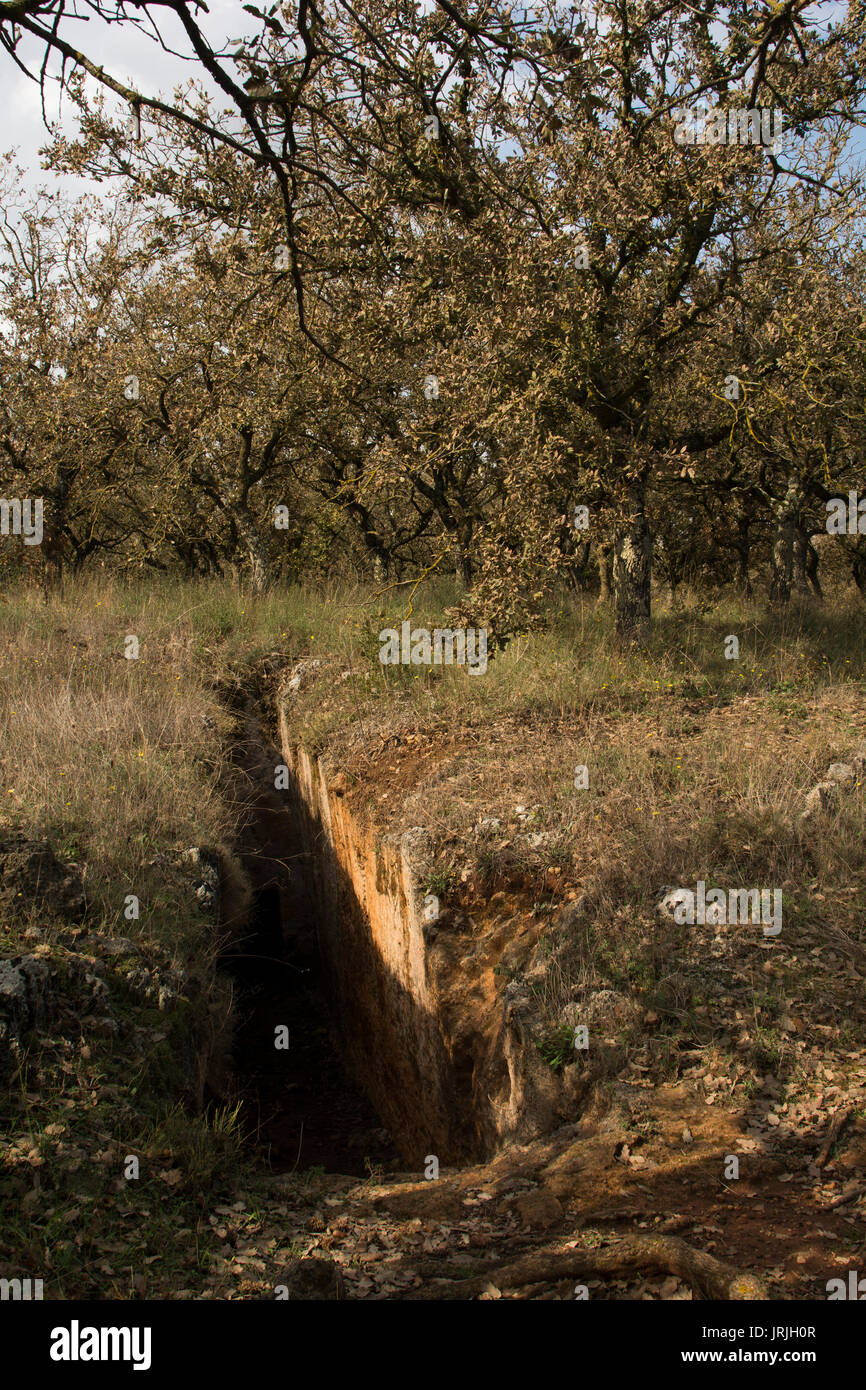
[(698, 767)]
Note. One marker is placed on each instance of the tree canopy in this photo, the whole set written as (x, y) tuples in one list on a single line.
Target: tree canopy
[(448, 290)]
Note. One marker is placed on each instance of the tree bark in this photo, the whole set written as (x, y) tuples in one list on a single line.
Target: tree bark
[(257, 561), (787, 520), (632, 568), (580, 566), (813, 561), (857, 561), (800, 576), (464, 565), (743, 544), (604, 571)]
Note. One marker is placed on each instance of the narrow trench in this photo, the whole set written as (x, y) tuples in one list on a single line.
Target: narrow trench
[(301, 1108)]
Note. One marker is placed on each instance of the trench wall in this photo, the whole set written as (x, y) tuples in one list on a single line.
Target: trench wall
[(445, 1053)]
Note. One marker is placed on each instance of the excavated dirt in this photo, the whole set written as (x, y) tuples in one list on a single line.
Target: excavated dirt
[(592, 1191), (545, 1179), (404, 1038)]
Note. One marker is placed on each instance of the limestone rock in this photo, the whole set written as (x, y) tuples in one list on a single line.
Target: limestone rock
[(110, 945), (841, 772), (839, 776), (570, 915), (206, 863), (671, 899), (303, 675), (31, 876), (820, 798), (24, 987), (607, 1010)]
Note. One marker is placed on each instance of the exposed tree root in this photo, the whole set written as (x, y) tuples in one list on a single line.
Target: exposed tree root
[(837, 1124), (706, 1276)]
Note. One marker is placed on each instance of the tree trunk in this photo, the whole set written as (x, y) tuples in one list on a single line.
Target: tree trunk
[(604, 571), (813, 561), (632, 568), (857, 561), (54, 542), (257, 561), (743, 581), (780, 586), (800, 574), (786, 512), (372, 540), (464, 566), (676, 569), (581, 565), (259, 573)]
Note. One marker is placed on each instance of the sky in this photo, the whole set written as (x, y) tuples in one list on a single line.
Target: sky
[(131, 56), (127, 55)]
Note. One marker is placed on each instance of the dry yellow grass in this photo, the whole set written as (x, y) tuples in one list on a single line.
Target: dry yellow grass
[(698, 768)]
